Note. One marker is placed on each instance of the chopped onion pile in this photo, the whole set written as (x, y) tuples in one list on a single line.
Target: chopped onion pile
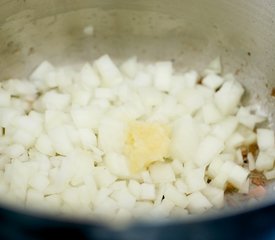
[(130, 141)]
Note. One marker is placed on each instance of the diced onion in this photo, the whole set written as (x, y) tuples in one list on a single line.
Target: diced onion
[(132, 140)]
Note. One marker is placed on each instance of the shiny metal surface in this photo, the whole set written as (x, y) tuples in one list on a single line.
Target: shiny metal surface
[(191, 33)]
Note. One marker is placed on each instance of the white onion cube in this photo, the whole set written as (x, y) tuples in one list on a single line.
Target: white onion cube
[(15, 150), (89, 77), (185, 139), (163, 209), (222, 176), (124, 199), (117, 164), (249, 136), (65, 78), (103, 177), (24, 138), (105, 93), (214, 195), (195, 179), (5, 98), (150, 97), (207, 150), (21, 88), (55, 118), (181, 186), (56, 101), (224, 129), (134, 188), (44, 145), (175, 196), (247, 119), (147, 191), (162, 173), (146, 177), (211, 113), (251, 162), (40, 73), (86, 117), (111, 135), (60, 140), (234, 141), (162, 75), (177, 166), (190, 78), (130, 67), (108, 71), (7, 116), (214, 67), (265, 138), (87, 138), (31, 123), (198, 203), (39, 182), (229, 96), (88, 30), (264, 162), (80, 97), (192, 100), (270, 174), (212, 81), (238, 176)]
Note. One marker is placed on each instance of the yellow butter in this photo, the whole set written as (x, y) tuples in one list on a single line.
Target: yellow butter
[(146, 143)]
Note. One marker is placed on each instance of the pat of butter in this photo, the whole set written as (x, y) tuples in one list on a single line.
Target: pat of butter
[(146, 143)]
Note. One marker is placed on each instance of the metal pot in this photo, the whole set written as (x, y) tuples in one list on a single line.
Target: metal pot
[(189, 32)]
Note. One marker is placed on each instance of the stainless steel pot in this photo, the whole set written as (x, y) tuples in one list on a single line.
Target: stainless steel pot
[(191, 33)]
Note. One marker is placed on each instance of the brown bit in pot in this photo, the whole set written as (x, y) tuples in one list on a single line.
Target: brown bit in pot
[(273, 92), (244, 151), (230, 188), (257, 178), (254, 149), (200, 80)]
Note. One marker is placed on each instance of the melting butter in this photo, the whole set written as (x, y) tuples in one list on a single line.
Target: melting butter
[(146, 142)]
